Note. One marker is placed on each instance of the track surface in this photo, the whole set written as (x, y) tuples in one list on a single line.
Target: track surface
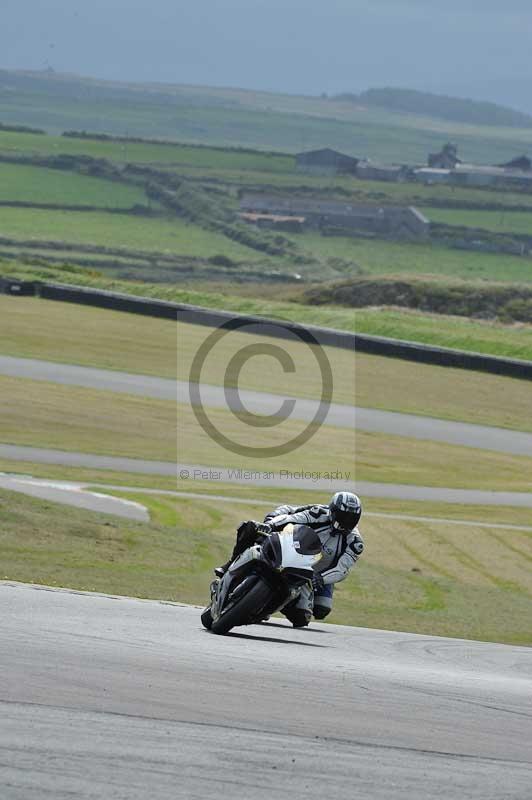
[(75, 494), (481, 437), (120, 698), (222, 475)]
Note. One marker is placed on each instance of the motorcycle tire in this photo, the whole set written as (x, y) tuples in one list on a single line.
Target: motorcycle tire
[(247, 607), (206, 618)]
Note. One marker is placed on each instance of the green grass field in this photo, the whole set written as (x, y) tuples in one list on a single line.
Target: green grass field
[(377, 257), (239, 168), (460, 333), (121, 230), (39, 185), (498, 221), (419, 577), (177, 155)]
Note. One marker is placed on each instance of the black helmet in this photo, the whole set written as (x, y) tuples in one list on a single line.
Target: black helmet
[(346, 511)]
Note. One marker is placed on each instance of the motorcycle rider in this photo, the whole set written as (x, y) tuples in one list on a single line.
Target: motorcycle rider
[(342, 545)]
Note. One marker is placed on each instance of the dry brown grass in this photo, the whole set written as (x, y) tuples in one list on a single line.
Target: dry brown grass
[(41, 414), (77, 334)]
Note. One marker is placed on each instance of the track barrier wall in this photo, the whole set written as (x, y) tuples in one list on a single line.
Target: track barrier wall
[(280, 328)]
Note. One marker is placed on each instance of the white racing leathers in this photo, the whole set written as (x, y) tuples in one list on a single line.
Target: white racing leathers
[(340, 552)]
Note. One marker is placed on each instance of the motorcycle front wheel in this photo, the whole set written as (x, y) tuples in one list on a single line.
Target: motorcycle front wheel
[(244, 609), (206, 618)]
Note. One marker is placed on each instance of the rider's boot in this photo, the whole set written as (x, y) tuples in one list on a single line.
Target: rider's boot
[(245, 537)]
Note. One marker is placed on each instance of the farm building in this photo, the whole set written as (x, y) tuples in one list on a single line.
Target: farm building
[(447, 158), (326, 162), (472, 175), (521, 162), (432, 175), (340, 217), (371, 171), (278, 222)]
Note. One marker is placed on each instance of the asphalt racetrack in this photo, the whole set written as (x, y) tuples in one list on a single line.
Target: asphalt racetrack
[(121, 698), (75, 494), (224, 475)]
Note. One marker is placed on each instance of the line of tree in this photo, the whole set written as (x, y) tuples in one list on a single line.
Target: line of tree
[(455, 109), (108, 137), (21, 129)]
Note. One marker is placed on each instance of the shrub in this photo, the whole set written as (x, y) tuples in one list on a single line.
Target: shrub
[(519, 309), (222, 261), (464, 298)]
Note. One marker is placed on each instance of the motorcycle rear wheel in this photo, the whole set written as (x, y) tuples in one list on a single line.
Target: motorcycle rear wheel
[(246, 608)]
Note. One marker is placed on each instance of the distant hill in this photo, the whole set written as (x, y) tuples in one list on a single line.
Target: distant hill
[(227, 117), (455, 109)]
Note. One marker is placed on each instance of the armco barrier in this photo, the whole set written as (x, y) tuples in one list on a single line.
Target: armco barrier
[(20, 288), (443, 356), (112, 300), (281, 328)]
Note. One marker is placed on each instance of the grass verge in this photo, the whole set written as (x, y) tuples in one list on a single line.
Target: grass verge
[(92, 337), (440, 330), (75, 419), (41, 414), (443, 392), (86, 475), (358, 455)]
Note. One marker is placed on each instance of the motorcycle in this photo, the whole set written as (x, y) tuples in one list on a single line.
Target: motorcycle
[(263, 580)]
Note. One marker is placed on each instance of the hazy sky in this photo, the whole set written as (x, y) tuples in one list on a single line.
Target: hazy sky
[(480, 48)]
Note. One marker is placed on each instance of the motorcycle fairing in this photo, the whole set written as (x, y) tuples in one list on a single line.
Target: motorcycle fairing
[(222, 588), (295, 553)]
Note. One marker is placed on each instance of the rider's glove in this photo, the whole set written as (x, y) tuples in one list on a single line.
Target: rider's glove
[(264, 527), (317, 582)]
